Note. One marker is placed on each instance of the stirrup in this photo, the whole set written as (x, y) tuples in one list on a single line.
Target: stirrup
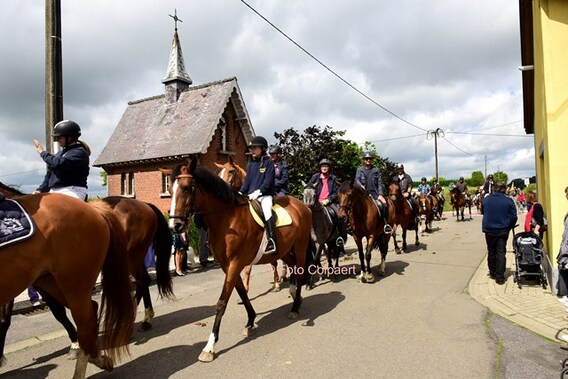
[(270, 249), (339, 241), (387, 229)]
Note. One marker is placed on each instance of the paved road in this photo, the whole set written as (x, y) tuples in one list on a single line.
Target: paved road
[(416, 321)]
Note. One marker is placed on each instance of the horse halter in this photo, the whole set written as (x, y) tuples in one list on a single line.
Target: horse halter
[(189, 211)]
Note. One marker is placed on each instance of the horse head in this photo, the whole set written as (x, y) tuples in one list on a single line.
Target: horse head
[(309, 194), (231, 173), (394, 190), (345, 199), (422, 203)]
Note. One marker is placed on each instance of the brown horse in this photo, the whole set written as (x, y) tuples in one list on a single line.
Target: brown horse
[(235, 238), (435, 203), (72, 243), (405, 216), (234, 175), (363, 215), (425, 209), (459, 202)]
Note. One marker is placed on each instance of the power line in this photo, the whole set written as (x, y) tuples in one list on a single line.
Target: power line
[(19, 173), (395, 138), (331, 71), (495, 135)]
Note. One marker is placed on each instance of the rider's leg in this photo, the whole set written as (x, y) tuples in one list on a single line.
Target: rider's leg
[(384, 208), (269, 224), (334, 213)]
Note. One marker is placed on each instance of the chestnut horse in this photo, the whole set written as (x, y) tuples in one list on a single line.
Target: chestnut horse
[(363, 216), (425, 209), (459, 202), (73, 242), (145, 226), (234, 175), (435, 203), (235, 238), (405, 216)]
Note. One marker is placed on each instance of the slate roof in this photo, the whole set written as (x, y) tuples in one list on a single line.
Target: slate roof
[(150, 129)]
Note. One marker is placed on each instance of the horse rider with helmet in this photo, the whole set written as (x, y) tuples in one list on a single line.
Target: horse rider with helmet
[(437, 190), (369, 177), (280, 170), (489, 185), (405, 183), (327, 189), (259, 185), (461, 185), (424, 187), (68, 169)]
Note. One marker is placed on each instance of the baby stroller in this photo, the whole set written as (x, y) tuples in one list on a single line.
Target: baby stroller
[(529, 254)]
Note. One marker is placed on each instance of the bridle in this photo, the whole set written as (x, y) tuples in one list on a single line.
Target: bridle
[(190, 210)]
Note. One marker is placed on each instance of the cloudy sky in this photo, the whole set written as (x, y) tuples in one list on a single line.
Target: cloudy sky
[(447, 64)]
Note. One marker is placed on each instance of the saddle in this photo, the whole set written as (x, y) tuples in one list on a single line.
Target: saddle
[(15, 223), (282, 216)]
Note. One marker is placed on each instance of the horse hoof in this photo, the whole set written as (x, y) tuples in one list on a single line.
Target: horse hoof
[(144, 326), (249, 331), (417, 243), (72, 354), (206, 356), (103, 362), (276, 289), (293, 315), (397, 251), (370, 278)]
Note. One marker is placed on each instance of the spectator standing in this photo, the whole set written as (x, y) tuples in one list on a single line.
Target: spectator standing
[(499, 217), (535, 219)]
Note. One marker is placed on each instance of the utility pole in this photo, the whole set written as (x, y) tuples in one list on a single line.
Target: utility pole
[(435, 134), (53, 70), (485, 167)]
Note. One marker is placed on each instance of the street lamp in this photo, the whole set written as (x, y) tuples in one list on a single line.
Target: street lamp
[(435, 134)]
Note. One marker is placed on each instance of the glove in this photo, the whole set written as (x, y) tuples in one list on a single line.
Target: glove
[(325, 202), (254, 195)]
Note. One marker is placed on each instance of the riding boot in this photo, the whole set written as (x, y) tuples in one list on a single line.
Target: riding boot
[(271, 236), (387, 229), (339, 241)]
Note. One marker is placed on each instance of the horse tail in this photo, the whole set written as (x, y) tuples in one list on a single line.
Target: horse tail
[(310, 259), (163, 249), (117, 304)]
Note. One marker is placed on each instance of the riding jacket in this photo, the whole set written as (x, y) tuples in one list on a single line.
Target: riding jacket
[(281, 177), (370, 179), (69, 167), (331, 185), (260, 176), (462, 186), (488, 187), (404, 181)]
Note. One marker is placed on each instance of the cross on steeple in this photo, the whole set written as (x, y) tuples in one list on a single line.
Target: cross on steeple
[(176, 19)]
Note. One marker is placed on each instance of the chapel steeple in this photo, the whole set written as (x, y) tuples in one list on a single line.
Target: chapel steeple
[(177, 79)]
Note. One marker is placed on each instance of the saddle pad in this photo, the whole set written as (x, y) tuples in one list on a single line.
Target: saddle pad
[(15, 223), (282, 216)]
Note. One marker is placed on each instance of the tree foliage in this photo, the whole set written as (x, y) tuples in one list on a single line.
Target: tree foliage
[(303, 152), (500, 176), (477, 179)]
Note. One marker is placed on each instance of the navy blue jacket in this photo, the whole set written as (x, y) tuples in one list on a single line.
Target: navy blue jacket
[(69, 167), (281, 178), (370, 179), (499, 213), (260, 175), (332, 186), (405, 183)]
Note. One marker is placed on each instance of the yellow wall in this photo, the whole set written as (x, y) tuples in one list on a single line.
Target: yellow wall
[(551, 114)]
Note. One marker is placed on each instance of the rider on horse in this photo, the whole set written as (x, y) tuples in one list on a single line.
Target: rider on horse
[(461, 185), (326, 187), (259, 185), (369, 177), (405, 183), (489, 185), (280, 170), (424, 187)]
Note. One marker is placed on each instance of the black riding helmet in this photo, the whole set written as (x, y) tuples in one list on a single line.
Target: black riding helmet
[(275, 149), (259, 141), (423, 179), (66, 128), (368, 154), (324, 162)]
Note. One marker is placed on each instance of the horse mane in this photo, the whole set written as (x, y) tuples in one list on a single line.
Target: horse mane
[(345, 186), (175, 172), (213, 184), (11, 189)]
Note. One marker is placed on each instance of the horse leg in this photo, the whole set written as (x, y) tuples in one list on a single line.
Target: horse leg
[(416, 242), (276, 284), (369, 277), (246, 280), (383, 248), (232, 272), (5, 321), (143, 291), (396, 248), (58, 311), (284, 276), (249, 327), (404, 239), (359, 244)]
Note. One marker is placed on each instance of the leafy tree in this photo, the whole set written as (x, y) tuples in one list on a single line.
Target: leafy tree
[(104, 177), (500, 176), (477, 179), (303, 152)]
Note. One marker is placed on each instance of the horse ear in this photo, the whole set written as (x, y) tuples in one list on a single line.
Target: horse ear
[(304, 184), (166, 171), (191, 165), (218, 165), (231, 160)]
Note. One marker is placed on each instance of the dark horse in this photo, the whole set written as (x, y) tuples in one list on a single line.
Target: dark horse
[(363, 215), (405, 216), (324, 232), (73, 242), (235, 238), (459, 202), (145, 226)]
